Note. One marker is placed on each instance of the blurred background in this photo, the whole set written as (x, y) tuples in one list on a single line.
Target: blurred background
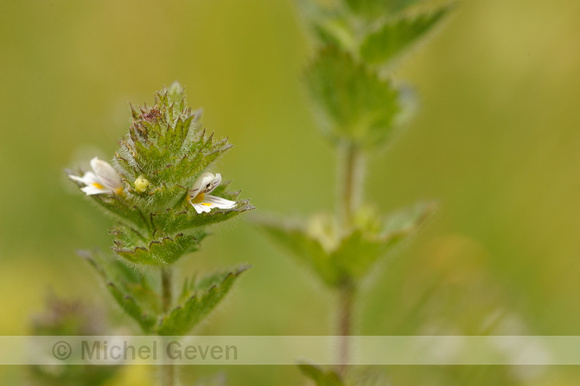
[(496, 143)]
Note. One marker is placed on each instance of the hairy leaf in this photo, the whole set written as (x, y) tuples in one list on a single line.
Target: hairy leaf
[(130, 289), (171, 220), (197, 301), (162, 251)]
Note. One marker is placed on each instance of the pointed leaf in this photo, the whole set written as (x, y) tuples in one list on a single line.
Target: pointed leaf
[(396, 36), (171, 220), (201, 300), (354, 102), (130, 289), (303, 246), (166, 250)]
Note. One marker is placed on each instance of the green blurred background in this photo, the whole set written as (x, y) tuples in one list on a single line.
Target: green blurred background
[(496, 143)]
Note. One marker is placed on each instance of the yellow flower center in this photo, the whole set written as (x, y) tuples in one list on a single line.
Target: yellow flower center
[(98, 186), (198, 199)]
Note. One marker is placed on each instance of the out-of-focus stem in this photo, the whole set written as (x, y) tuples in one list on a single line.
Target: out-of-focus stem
[(350, 185), (346, 296)]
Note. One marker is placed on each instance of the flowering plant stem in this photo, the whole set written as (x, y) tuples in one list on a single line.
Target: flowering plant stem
[(163, 196), (168, 370), (350, 186)]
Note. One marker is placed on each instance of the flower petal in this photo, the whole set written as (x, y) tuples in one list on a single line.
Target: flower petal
[(107, 175), (88, 178), (92, 190), (219, 202), (201, 208), (206, 183)]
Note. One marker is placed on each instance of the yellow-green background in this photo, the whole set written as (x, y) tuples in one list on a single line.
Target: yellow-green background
[(496, 143)]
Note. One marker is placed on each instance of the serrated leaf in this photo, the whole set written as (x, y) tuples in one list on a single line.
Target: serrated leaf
[(121, 209), (129, 288), (172, 220), (165, 250), (197, 302), (396, 36), (320, 375), (354, 102), (128, 303)]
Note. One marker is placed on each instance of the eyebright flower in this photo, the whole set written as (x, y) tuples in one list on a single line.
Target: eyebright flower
[(200, 198), (102, 180)]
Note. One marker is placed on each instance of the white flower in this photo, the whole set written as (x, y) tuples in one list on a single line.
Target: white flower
[(102, 180), (200, 198)]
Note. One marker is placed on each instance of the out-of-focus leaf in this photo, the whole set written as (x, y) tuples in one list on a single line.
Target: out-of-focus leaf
[(304, 247), (338, 258), (320, 375), (397, 35), (354, 102), (197, 300), (374, 9), (329, 25), (358, 251)]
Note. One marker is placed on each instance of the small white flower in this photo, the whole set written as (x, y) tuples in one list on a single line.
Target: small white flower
[(200, 198), (102, 180)]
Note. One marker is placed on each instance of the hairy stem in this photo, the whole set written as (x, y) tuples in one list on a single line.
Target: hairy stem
[(167, 370), (350, 184)]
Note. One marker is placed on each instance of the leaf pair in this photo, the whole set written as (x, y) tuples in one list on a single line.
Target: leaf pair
[(136, 294), (339, 258), (355, 102)]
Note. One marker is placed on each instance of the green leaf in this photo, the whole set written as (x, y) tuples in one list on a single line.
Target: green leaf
[(337, 258), (162, 251), (396, 36), (119, 207), (130, 288), (358, 252), (355, 104), (197, 301), (330, 25), (320, 376), (172, 220), (303, 246)]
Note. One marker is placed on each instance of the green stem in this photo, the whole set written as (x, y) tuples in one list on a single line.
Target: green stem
[(167, 370), (350, 177), (345, 318), (350, 180)]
